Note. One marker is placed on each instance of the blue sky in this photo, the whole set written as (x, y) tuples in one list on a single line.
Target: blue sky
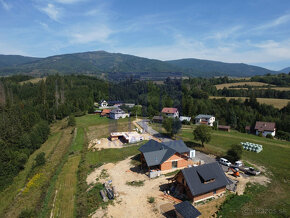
[(249, 31)]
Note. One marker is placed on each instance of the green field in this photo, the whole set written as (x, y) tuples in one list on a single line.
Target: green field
[(274, 157)]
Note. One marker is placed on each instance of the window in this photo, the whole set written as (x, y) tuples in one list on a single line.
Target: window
[(174, 164)]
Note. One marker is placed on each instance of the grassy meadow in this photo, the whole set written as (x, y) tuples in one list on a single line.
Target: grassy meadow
[(277, 103), (228, 85)]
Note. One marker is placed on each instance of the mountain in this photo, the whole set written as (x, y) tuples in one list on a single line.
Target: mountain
[(14, 60), (285, 70), (200, 67), (117, 65)]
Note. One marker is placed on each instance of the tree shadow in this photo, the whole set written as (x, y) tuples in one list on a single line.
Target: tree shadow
[(191, 144)]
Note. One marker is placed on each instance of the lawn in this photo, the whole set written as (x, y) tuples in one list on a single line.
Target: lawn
[(274, 157)]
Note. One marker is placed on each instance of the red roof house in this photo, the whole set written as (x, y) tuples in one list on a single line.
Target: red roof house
[(265, 128), (170, 112)]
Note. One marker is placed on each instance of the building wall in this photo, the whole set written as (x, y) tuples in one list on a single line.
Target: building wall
[(265, 133), (181, 162), (209, 194)]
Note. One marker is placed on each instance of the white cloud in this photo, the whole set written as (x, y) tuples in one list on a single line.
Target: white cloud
[(5, 5), (52, 12), (6, 48), (100, 33), (69, 1), (184, 47), (276, 22)]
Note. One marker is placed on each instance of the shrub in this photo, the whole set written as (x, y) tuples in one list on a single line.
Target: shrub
[(71, 121), (260, 134), (269, 136), (39, 159), (151, 200), (27, 213)]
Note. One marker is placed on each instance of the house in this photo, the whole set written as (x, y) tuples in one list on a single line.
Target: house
[(265, 128), (127, 137), (183, 118), (202, 182), (204, 119), (166, 155), (157, 119), (118, 113), (106, 113), (170, 112), (224, 128), (186, 210), (103, 104)]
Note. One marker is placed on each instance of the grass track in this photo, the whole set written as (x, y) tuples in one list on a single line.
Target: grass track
[(65, 189)]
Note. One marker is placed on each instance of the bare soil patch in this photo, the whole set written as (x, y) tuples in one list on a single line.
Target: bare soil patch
[(132, 201)]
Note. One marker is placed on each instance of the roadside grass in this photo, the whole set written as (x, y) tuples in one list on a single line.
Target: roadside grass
[(36, 189), (274, 157), (10, 193), (65, 189), (277, 103)]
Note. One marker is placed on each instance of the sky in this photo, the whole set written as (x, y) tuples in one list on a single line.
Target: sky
[(237, 31)]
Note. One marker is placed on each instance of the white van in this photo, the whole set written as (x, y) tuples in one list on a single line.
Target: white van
[(238, 163), (225, 162)]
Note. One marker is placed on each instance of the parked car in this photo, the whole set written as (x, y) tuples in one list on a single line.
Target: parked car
[(225, 162), (238, 164), (252, 171)]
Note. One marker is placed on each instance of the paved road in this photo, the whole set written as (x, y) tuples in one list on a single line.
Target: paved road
[(151, 131)]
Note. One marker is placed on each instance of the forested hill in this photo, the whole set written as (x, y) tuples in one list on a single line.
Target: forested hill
[(117, 65), (201, 67), (285, 70), (14, 60)]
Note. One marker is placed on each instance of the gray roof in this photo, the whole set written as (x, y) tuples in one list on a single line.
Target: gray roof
[(200, 116), (187, 210), (195, 177), (177, 145), (154, 158), (117, 111), (156, 153)]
